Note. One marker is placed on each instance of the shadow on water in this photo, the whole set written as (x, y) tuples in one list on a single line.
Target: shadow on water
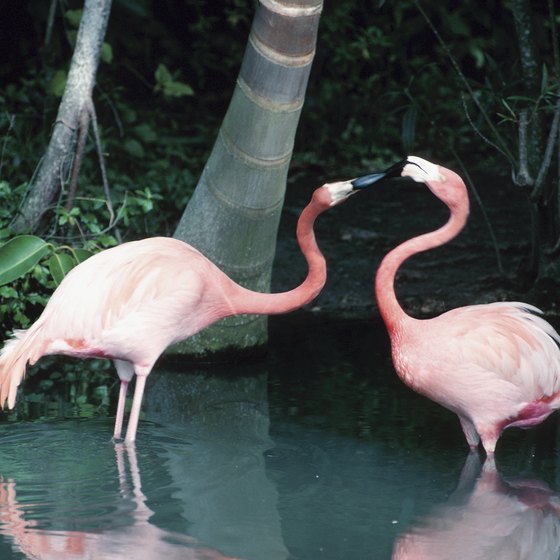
[(318, 452)]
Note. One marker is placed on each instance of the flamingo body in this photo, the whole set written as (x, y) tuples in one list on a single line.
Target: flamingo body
[(495, 365), (130, 302), (148, 299)]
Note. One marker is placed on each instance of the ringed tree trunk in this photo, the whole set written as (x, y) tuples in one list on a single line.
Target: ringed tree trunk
[(234, 212), (75, 103)]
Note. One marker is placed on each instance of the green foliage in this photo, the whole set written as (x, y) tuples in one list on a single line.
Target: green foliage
[(19, 255), (65, 388), (155, 145), (166, 84), (73, 17), (10, 200), (58, 83), (106, 53), (60, 264), (30, 270), (80, 390), (383, 80), (46, 262)]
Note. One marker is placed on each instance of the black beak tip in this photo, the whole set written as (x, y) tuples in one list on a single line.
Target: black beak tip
[(368, 180)]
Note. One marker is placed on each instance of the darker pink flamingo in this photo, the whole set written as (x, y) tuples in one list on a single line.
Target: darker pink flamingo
[(495, 365)]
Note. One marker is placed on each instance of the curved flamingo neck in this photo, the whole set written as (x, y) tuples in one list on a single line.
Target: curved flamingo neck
[(248, 301), (389, 307)]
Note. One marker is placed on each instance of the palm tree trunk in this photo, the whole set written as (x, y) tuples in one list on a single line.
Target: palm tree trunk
[(234, 213)]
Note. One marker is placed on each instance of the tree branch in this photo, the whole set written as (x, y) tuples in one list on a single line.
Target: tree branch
[(547, 158), (83, 125)]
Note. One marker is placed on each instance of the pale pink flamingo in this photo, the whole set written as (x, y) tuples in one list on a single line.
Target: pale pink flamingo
[(495, 365), (130, 302)]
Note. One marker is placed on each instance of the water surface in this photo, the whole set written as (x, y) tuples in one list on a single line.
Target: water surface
[(317, 452)]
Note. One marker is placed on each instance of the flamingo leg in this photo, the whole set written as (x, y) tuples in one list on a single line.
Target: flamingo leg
[(125, 371), (120, 409), (489, 439), (470, 432), (136, 405)]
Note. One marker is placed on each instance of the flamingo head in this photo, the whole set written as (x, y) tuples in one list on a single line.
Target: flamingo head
[(341, 190), (420, 170), (444, 183)]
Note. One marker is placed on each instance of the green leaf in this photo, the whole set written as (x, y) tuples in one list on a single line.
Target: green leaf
[(106, 241), (74, 17), (46, 384), (58, 83), (8, 292), (81, 255), (145, 132), (128, 115), (60, 264), (72, 37), (457, 24), (163, 75), (134, 148), (512, 114), (544, 79), (19, 255), (168, 86), (478, 55), (177, 89), (106, 53)]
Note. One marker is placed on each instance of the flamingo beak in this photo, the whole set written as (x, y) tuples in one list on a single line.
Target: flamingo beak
[(368, 180)]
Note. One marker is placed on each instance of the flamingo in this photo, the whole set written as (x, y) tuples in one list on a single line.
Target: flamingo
[(130, 302), (495, 365)]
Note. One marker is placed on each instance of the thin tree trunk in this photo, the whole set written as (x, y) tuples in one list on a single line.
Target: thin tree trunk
[(234, 213), (529, 130), (55, 164), (530, 148)]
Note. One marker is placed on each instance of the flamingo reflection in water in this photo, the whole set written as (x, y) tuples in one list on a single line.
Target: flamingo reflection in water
[(499, 520), (141, 541)]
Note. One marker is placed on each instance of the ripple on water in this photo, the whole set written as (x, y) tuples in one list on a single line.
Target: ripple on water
[(64, 473)]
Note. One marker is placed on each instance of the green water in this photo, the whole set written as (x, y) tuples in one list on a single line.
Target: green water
[(318, 452)]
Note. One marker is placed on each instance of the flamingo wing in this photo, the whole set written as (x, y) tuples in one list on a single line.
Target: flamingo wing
[(485, 362), (130, 302), (511, 342)]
